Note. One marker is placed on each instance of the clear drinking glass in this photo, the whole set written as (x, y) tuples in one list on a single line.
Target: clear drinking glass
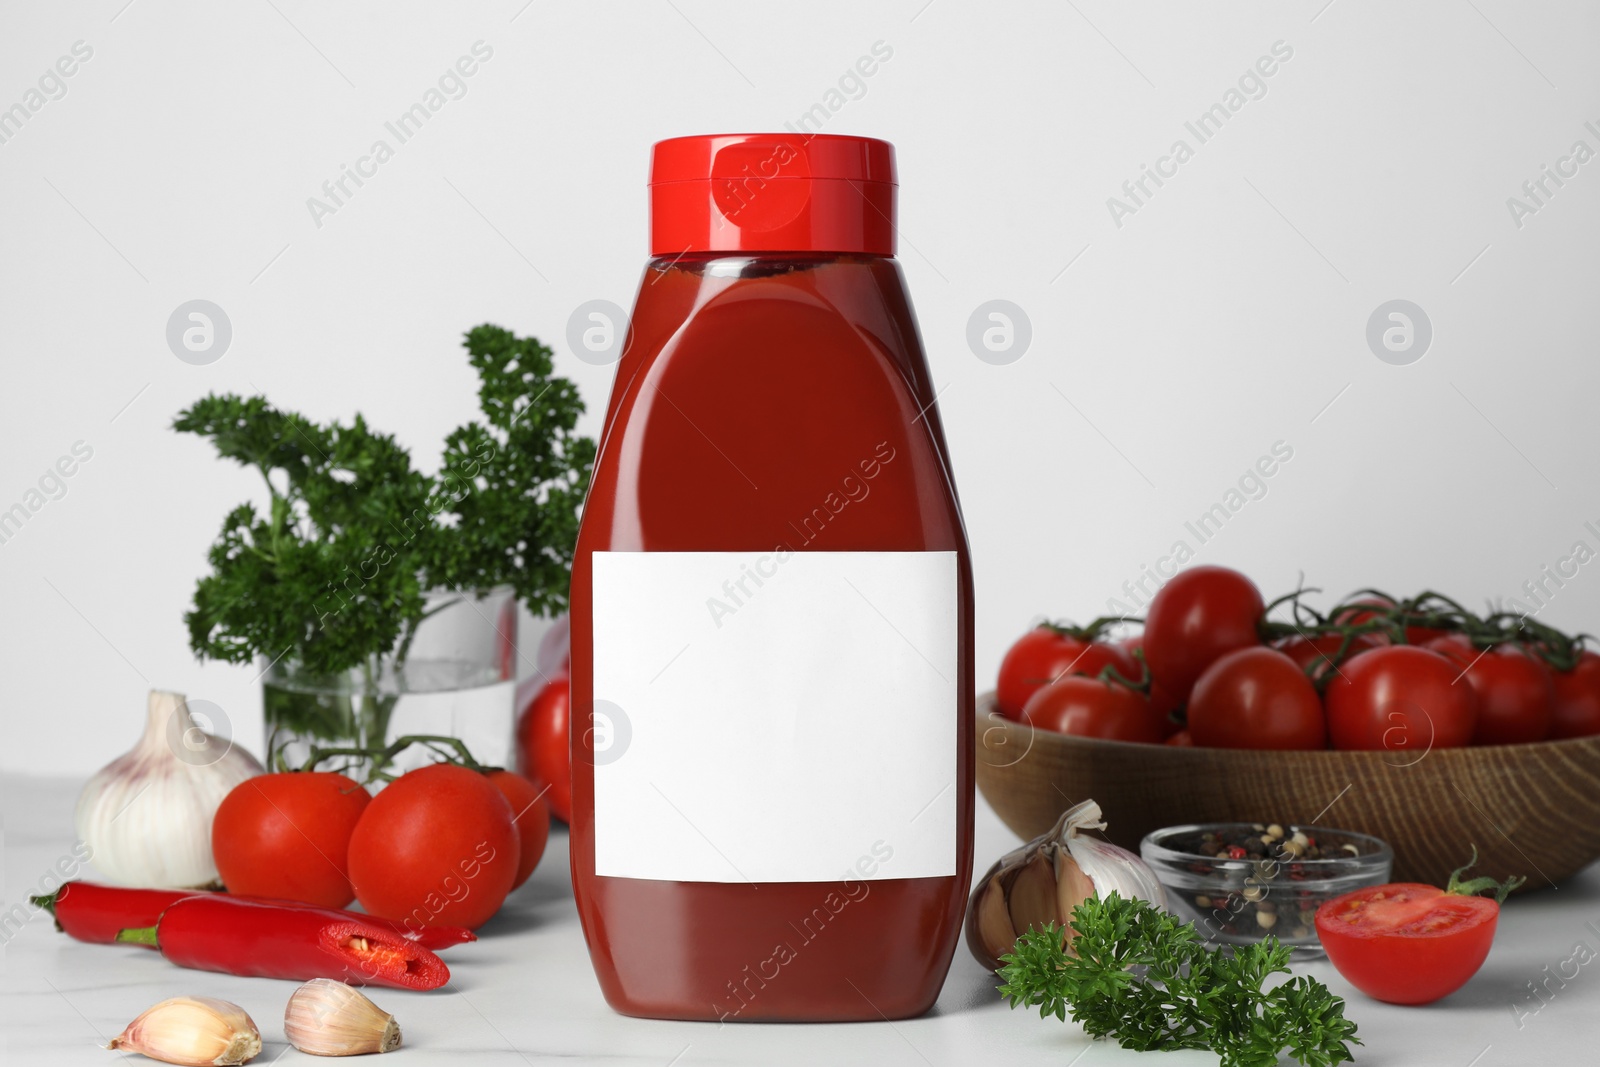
[(452, 675)]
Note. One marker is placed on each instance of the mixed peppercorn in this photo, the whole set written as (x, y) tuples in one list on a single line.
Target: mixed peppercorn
[(1264, 897)]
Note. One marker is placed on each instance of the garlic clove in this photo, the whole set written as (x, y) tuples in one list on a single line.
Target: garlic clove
[(992, 919), (1032, 900), (1073, 887), (146, 816), (329, 1018), (195, 1031)]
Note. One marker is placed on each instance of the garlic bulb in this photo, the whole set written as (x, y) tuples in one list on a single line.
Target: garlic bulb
[(146, 816), (195, 1031), (328, 1018), (1042, 882)]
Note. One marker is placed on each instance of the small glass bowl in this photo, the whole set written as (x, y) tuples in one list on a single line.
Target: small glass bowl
[(1239, 901)]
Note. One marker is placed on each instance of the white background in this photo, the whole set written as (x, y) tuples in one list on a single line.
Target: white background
[(1227, 314)]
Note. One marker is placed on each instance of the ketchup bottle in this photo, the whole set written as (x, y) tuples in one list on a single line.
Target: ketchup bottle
[(772, 610)]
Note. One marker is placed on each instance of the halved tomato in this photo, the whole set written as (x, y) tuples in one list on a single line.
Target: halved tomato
[(1407, 943)]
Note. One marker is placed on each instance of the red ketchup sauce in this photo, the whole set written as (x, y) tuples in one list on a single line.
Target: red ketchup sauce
[(772, 610)]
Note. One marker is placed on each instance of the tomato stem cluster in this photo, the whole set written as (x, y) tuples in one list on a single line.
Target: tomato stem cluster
[(1372, 612), (381, 757), (1472, 887)]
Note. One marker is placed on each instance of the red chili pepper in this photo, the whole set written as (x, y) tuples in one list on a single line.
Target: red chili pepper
[(97, 913), (216, 932)]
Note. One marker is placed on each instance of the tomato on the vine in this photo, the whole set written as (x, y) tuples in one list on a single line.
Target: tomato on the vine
[(1162, 700), (437, 845), (1089, 707), (1516, 698), (1256, 698), (1399, 698), (1315, 654), (1407, 943), (1576, 712), (1363, 609), (1047, 653), (1200, 615), (544, 752), (287, 836)]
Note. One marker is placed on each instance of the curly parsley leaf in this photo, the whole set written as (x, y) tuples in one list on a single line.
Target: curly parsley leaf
[(512, 485), (1136, 974), (336, 572)]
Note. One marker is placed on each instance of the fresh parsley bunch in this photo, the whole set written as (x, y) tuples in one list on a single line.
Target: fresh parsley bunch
[(336, 571), (1138, 975)]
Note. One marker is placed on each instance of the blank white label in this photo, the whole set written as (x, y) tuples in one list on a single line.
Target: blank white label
[(775, 717)]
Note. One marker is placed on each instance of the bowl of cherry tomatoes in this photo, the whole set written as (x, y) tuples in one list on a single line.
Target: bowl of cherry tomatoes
[(1413, 720)]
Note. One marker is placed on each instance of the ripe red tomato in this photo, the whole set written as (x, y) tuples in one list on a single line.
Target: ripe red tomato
[(1576, 712), (1181, 739), (1196, 618), (1315, 654), (1044, 655), (438, 845), (1256, 698), (1406, 943), (544, 752), (287, 836), (1516, 698), (1088, 707), (531, 815), (1399, 698)]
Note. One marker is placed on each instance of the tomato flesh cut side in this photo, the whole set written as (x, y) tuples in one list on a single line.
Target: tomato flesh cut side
[(1407, 943)]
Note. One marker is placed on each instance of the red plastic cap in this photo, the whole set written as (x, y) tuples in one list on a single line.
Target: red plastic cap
[(772, 192)]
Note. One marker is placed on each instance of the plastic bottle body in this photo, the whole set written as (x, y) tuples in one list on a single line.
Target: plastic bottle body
[(771, 407)]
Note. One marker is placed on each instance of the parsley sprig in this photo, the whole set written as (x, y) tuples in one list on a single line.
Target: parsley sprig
[(1140, 976), (334, 572)]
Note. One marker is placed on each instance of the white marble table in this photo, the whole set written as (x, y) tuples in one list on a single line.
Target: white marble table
[(525, 993)]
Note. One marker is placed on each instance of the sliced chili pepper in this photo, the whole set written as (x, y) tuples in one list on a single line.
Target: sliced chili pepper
[(97, 913), (244, 937)]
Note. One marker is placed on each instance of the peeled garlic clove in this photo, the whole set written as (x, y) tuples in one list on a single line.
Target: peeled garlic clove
[(192, 1030), (328, 1018), (146, 816)]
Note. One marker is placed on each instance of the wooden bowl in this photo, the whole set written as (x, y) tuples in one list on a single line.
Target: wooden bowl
[(1531, 810)]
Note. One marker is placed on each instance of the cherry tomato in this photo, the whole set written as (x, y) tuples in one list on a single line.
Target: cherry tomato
[(1045, 654), (1400, 698), (437, 845), (287, 836), (1162, 700), (531, 815), (1315, 654), (1516, 698), (1088, 707), (1256, 698), (544, 753), (1181, 739), (1406, 943), (1577, 702), (1196, 618)]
